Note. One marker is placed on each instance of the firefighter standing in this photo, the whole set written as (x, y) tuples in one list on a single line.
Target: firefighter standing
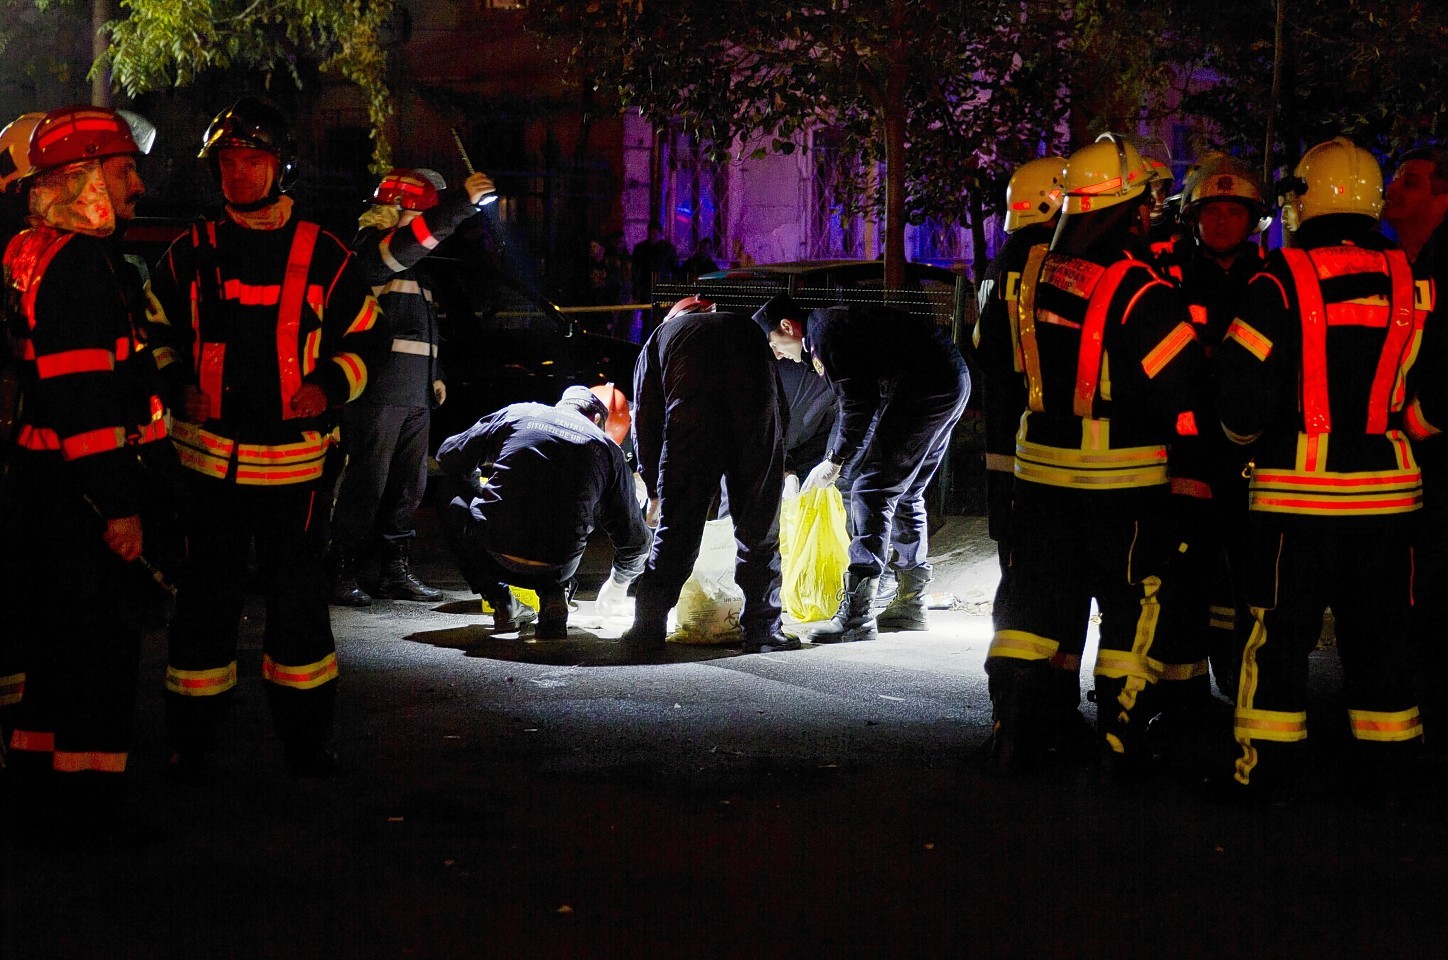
[(88, 439), (263, 324), (1111, 374), (386, 432), (895, 372), (525, 488), (1313, 371), (706, 407)]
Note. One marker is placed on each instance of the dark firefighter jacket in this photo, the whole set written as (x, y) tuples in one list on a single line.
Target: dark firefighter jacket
[(89, 383), (393, 263), (549, 477), (1315, 372), (1113, 373), (250, 316)]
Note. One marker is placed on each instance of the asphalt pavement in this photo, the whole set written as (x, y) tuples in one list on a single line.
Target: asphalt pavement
[(501, 798)]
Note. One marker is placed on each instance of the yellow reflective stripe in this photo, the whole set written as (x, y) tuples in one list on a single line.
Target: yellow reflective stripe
[(164, 357), (282, 463), (1417, 425), (1066, 456), (1247, 682), (300, 678), (1020, 645), (201, 683), (1221, 618), (1030, 350), (1278, 726), (366, 317), (1123, 663), (1311, 455), (1250, 338), (201, 450), (1386, 727), (355, 371), (12, 688), (1183, 671), (66, 761), (1164, 352), (1120, 469)]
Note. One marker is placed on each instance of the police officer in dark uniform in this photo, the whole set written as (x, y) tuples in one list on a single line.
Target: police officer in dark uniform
[(706, 407), (524, 489), (898, 374), (386, 431)]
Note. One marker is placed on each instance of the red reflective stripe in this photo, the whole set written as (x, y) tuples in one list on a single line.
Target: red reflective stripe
[(1357, 314), (1312, 454), (32, 741), (93, 441), (1088, 360), (422, 233), (123, 348), (251, 296), (68, 761), (1350, 506), (1399, 332), (1185, 487), (37, 438), (90, 360), (42, 263), (209, 376), (1198, 313), (289, 314), (1186, 425), (1316, 412)]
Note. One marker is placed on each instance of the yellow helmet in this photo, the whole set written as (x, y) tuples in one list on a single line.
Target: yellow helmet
[(1106, 173), (1337, 177), (15, 162), (1034, 193), (1223, 177)]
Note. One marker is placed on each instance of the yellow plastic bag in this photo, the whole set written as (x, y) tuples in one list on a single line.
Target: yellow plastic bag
[(523, 595), (814, 545), (710, 601)]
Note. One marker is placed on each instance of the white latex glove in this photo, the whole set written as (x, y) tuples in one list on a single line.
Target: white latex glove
[(613, 599), (651, 513), (825, 473), (791, 485)]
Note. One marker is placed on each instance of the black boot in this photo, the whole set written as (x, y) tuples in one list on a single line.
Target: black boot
[(854, 620), (1121, 722), (509, 613), (553, 615), (398, 583), (343, 579), (773, 642), (1020, 698), (907, 609)]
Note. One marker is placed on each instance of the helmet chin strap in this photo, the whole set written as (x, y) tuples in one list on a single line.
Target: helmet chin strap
[(256, 205)]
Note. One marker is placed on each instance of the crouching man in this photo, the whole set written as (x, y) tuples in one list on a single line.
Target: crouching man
[(524, 488)]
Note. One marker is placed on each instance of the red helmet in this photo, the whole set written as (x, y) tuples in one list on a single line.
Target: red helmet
[(693, 304), (408, 189), (619, 420), (74, 134)]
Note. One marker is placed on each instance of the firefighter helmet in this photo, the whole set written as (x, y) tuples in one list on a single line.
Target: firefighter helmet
[(79, 133), (690, 304), (406, 189), (1337, 177), (1034, 192), (15, 149), (1223, 177), (254, 123), (1103, 174), (617, 425)]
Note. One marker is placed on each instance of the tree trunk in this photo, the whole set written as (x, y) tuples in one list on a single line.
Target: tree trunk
[(101, 14), (894, 107)]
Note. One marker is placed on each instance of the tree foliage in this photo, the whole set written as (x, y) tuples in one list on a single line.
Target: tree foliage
[(916, 83), (164, 43)]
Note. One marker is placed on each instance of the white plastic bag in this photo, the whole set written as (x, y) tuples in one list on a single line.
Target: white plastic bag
[(710, 601)]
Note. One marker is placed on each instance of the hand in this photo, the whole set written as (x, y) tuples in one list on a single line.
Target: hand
[(825, 473), (651, 515), (439, 392), (477, 186), (309, 401), (613, 598), (195, 404), (123, 536), (791, 485)]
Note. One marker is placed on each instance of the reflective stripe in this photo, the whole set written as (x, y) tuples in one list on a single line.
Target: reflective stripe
[(1249, 677), (1329, 493), (1380, 399), (165, 356), (1198, 313), (366, 317), (1093, 329), (1101, 470), (12, 688), (421, 232), (1133, 666), (91, 360), (1187, 487), (384, 250), (32, 741), (1386, 727), (1221, 618), (1277, 726), (201, 450), (1183, 671), (1030, 349), (91, 442), (251, 296), (201, 683), (300, 678), (208, 376), (1020, 645), (36, 438), (420, 348), (1164, 352), (398, 285), (1417, 425), (312, 351), (1316, 412), (66, 761), (282, 464), (1251, 340), (355, 371), (1186, 425), (1000, 462), (289, 314)]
